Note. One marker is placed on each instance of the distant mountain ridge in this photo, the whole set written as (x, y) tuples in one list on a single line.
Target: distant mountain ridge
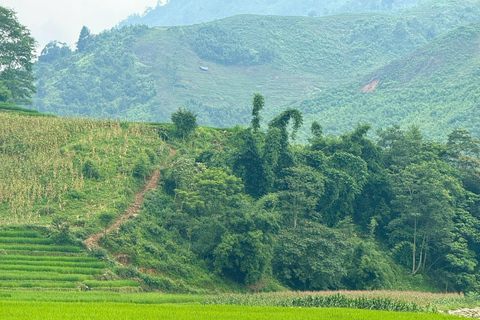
[(187, 12), (339, 70)]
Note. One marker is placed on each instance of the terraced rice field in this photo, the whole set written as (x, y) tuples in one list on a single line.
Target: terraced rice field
[(29, 259)]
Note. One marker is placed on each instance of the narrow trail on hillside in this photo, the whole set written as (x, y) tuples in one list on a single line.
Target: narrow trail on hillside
[(132, 211)]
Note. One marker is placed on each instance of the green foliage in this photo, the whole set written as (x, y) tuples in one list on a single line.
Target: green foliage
[(217, 42), (341, 301), (140, 168), (258, 104), (297, 261), (90, 170), (53, 51), (84, 39), (105, 218), (185, 122), (17, 48), (369, 269)]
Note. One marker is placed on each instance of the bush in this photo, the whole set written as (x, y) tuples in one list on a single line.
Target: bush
[(90, 170), (140, 169), (98, 253)]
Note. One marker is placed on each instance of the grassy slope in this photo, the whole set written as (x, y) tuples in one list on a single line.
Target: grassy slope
[(310, 55), (42, 161), (434, 87)]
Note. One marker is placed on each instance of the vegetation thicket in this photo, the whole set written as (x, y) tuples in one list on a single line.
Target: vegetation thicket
[(339, 213)]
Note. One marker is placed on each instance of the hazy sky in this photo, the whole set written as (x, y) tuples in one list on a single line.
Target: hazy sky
[(63, 19)]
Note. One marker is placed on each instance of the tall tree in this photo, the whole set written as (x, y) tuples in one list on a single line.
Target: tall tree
[(16, 54), (426, 205), (84, 39), (258, 104), (185, 122), (248, 165)]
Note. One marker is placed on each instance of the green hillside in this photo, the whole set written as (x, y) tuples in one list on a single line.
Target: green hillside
[(435, 87), (138, 73), (235, 210), (74, 169), (177, 12)]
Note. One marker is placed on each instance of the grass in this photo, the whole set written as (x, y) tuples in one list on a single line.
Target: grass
[(21, 240), (111, 284), (53, 276), (57, 310), (37, 284), (63, 270), (41, 248), (70, 259), (62, 264), (20, 234), (99, 296)]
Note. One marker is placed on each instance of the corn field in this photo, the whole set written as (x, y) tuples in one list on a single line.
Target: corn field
[(41, 160)]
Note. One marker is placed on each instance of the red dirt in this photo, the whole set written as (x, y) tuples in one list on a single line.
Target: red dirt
[(132, 211), (371, 86)]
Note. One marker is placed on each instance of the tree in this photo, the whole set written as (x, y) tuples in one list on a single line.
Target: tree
[(258, 104), (84, 39), (185, 122), (105, 218), (311, 257), (316, 129), (426, 206), (16, 54), (248, 165), (53, 51), (302, 188), (246, 249)]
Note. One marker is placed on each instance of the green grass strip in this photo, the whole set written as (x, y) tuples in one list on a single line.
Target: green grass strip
[(100, 296), (40, 248), (47, 263), (111, 284), (20, 240), (84, 259), (54, 310), (64, 270), (53, 276), (20, 234), (37, 284)]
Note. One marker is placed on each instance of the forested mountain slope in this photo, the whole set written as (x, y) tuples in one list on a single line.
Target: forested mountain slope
[(435, 87), (185, 12), (138, 73)]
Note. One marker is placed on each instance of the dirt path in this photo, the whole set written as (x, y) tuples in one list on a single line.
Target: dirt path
[(152, 183)]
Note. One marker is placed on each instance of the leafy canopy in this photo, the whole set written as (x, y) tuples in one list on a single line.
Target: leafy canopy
[(16, 55)]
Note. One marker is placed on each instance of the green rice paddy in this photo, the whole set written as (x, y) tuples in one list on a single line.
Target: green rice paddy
[(58, 310)]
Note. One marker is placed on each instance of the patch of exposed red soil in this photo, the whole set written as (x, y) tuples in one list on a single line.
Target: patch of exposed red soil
[(371, 86), (132, 211)]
